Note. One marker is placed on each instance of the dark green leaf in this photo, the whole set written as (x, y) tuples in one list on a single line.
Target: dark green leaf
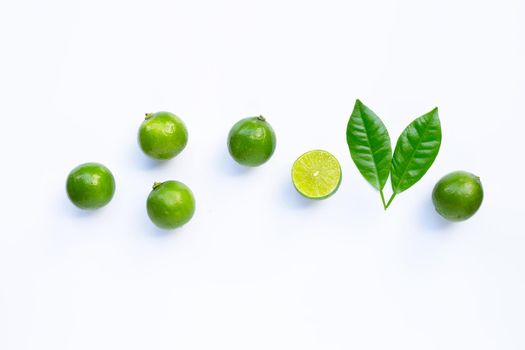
[(416, 150), (369, 145)]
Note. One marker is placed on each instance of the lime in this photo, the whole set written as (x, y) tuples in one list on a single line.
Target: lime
[(162, 135), (170, 204), (458, 195), (251, 141), (90, 186), (316, 174)]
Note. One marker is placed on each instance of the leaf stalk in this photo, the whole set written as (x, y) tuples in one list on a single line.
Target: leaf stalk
[(382, 198), (390, 200)]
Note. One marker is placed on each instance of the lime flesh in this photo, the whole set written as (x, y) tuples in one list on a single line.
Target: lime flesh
[(316, 174)]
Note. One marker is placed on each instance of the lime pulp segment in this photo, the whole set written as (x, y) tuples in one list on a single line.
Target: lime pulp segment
[(316, 174)]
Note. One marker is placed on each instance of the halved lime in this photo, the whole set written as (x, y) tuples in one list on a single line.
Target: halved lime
[(316, 174)]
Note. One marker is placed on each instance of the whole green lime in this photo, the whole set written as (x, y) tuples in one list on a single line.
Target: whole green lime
[(90, 186), (170, 204), (162, 135), (251, 141), (458, 195)]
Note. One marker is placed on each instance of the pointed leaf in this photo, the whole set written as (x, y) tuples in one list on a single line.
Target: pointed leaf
[(369, 145), (416, 150)]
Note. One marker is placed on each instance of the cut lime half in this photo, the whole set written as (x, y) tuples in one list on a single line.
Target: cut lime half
[(316, 174)]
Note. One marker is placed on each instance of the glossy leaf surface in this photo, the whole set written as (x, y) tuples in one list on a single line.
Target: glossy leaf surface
[(369, 145), (416, 150)]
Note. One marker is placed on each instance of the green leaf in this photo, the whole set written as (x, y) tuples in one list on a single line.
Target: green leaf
[(416, 150), (369, 145)]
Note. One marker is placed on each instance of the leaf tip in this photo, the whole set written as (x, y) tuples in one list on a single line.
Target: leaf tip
[(435, 113)]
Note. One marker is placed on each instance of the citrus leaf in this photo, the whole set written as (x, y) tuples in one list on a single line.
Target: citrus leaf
[(369, 145), (416, 150)]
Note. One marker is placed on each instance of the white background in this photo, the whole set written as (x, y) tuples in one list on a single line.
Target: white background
[(258, 267)]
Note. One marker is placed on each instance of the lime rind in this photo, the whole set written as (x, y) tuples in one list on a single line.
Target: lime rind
[(316, 174)]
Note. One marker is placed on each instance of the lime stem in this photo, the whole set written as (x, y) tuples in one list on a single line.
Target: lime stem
[(261, 118), (390, 200), (148, 115), (156, 184)]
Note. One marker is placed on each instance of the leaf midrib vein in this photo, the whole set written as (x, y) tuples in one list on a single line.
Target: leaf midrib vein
[(370, 148)]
